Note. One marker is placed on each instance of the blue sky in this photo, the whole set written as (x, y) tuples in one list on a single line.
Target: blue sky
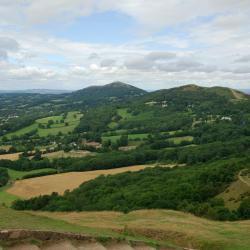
[(151, 44)]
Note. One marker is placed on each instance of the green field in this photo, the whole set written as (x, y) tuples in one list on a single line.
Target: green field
[(178, 140), (131, 137), (20, 174), (6, 198), (124, 113), (73, 119)]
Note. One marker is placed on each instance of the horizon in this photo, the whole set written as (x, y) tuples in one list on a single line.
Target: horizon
[(153, 45), (245, 90)]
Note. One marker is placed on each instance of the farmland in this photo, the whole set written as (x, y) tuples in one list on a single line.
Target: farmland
[(59, 124), (59, 183), (12, 157)]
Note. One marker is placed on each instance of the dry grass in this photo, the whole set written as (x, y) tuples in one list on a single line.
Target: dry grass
[(176, 227), (236, 192), (238, 95), (60, 182), (12, 157)]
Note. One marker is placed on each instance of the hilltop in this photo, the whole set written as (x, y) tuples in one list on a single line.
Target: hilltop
[(115, 91)]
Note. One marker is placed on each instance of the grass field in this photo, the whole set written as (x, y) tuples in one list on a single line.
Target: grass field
[(20, 174), (73, 119), (124, 113), (178, 140), (131, 137), (164, 225), (60, 182), (6, 198)]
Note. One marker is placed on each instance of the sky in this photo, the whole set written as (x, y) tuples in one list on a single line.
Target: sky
[(72, 44)]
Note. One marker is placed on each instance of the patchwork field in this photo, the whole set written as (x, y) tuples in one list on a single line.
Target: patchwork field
[(60, 182), (68, 125)]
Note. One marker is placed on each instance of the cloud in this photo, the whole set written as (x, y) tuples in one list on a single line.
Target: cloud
[(107, 62), (8, 44), (160, 55), (3, 55), (31, 73), (175, 42), (243, 59)]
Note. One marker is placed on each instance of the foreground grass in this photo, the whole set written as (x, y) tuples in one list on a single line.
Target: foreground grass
[(164, 225), (11, 219)]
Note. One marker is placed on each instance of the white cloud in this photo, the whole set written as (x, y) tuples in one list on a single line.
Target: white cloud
[(207, 42)]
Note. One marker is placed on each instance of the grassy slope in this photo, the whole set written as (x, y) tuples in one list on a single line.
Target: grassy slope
[(175, 227), (32, 221)]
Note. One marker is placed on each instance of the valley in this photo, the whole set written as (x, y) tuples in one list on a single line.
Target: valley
[(121, 162)]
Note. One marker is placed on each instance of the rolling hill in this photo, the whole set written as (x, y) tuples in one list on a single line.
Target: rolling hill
[(108, 93)]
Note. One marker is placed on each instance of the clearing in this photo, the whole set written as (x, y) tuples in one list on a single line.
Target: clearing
[(62, 154), (236, 191), (60, 182), (178, 140)]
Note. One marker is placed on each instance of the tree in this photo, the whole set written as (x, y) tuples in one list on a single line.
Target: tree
[(244, 209), (123, 141)]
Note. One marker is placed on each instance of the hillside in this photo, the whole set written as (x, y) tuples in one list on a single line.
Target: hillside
[(108, 93), (170, 229)]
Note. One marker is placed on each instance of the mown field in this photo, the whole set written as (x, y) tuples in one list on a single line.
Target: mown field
[(12, 157), (60, 182), (70, 123)]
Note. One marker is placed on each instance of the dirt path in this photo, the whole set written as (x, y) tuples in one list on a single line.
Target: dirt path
[(242, 179), (237, 95)]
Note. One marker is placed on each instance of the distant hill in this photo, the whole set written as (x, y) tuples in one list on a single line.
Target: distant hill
[(247, 91), (194, 92), (35, 91), (112, 92)]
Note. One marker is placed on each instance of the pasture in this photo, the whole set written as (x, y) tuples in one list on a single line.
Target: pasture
[(131, 137), (60, 182), (59, 125), (178, 140)]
